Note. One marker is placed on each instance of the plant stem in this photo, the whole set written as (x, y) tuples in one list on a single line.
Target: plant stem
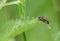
[(24, 36), (11, 3)]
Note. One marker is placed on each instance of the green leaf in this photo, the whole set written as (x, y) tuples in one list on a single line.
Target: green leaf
[(12, 28)]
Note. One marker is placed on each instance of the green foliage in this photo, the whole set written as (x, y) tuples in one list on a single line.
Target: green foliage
[(21, 16), (12, 23), (12, 28)]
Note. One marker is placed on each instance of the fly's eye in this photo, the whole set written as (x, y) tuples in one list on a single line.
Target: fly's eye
[(43, 19)]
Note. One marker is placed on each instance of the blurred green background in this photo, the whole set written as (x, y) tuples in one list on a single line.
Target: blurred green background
[(13, 15)]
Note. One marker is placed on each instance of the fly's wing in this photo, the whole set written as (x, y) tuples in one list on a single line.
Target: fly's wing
[(41, 18), (47, 21)]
